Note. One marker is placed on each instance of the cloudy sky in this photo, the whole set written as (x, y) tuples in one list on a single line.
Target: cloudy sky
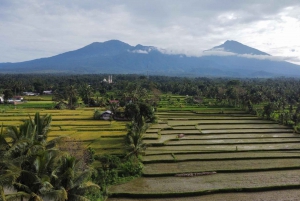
[(31, 29)]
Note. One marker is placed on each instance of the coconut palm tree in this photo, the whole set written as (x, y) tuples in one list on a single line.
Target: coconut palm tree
[(28, 161), (72, 95), (134, 137), (86, 92), (73, 180)]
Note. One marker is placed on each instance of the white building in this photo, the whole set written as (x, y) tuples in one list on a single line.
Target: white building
[(109, 80)]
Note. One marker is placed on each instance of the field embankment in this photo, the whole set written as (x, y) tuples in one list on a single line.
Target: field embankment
[(236, 154)]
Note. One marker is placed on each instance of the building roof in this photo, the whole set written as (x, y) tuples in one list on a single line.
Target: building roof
[(107, 112)]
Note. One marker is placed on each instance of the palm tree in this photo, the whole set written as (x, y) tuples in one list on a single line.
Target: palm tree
[(27, 160), (86, 92), (42, 125), (72, 93), (134, 137), (73, 180)]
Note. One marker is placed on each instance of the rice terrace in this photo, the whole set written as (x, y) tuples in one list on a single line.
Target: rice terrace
[(239, 153), (149, 100), (139, 138)]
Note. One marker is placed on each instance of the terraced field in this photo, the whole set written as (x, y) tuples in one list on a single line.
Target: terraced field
[(103, 136), (209, 155)]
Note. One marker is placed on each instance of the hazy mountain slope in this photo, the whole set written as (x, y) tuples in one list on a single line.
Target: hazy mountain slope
[(118, 57)]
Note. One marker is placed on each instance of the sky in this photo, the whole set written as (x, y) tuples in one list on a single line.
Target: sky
[(31, 29)]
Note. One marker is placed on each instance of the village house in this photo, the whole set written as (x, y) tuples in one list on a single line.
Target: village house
[(15, 99), (1, 98), (47, 92), (27, 93), (106, 115)]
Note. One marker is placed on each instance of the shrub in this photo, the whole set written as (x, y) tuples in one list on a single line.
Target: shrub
[(131, 167), (97, 114)]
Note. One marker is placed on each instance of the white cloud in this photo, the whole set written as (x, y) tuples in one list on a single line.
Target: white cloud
[(139, 51), (40, 28)]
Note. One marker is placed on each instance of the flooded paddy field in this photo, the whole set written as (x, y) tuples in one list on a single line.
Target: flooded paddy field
[(237, 153), (219, 182), (278, 195), (219, 156)]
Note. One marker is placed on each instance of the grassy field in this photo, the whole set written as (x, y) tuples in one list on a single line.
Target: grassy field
[(104, 136)]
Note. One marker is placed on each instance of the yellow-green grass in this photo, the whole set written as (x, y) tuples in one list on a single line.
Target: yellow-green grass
[(219, 156), (108, 143), (54, 117), (10, 123), (60, 133), (66, 118), (38, 98), (81, 122), (87, 129), (100, 129), (38, 102), (24, 116), (77, 124), (109, 151), (94, 135), (220, 182)]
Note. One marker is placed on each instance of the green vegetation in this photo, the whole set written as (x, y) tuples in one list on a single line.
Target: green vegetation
[(234, 127), (37, 168)]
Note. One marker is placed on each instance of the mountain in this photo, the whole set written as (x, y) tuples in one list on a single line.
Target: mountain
[(229, 59), (237, 48)]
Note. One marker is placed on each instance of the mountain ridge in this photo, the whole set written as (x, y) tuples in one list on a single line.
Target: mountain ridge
[(238, 48), (115, 56)]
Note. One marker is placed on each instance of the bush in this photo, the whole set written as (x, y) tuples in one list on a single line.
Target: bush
[(97, 114), (131, 167)]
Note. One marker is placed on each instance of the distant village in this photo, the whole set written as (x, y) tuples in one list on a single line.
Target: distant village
[(19, 99)]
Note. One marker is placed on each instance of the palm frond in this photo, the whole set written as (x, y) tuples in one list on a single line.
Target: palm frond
[(58, 195), (17, 196), (74, 197), (83, 177)]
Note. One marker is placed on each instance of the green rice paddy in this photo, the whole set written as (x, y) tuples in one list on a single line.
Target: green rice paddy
[(77, 124), (247, 153)]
